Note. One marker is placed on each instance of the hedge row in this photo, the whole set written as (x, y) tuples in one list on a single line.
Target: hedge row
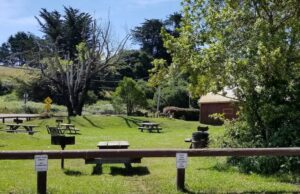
[(188, 114)]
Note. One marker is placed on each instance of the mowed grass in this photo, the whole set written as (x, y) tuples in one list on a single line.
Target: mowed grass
[(153, 175)]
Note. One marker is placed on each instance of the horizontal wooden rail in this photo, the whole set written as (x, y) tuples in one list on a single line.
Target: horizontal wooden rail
[(72, 154)]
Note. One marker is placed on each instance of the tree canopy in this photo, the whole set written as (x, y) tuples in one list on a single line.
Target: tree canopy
[(253, 48), (66, 31)]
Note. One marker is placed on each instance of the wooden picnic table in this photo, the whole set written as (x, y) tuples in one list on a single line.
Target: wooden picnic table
[(112, 145), (14, 128), (68, 127), (150, 126)]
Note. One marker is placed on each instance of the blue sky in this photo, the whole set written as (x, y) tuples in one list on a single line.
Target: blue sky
[(18, 15)]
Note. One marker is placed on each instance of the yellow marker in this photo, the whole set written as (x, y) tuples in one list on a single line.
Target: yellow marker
[(47, 107), (48, 100)]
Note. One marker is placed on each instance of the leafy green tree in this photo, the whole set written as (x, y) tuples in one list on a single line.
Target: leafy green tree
[(253, 47), (131, 94), (134, 64)]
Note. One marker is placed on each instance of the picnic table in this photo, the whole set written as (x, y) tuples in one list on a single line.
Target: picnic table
[(150, 127), (14, 128), (68, 127), (112, 145)]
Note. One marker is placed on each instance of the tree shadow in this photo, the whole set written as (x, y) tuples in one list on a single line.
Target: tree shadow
[(220, 167), (72, 172), (91, 122), (139, 171), (134, 121)]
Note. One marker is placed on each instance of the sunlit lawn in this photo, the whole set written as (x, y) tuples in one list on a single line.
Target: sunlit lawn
[(153, 175)]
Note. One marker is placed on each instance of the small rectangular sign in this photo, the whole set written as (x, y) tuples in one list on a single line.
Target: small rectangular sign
[(181, 160), (41, 163)]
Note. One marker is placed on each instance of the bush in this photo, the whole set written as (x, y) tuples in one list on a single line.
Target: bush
[(182, 113), (5, 88), (238, 134)]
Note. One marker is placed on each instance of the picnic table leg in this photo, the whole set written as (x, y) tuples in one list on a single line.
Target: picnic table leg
[(97, 169), (128, 165), (3, 120)]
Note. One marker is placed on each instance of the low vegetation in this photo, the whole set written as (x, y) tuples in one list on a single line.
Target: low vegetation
[(153, 175)]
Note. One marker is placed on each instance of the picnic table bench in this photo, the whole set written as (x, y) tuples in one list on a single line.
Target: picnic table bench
[(14, 128), (112, 145), (150, 127), (68, 127)]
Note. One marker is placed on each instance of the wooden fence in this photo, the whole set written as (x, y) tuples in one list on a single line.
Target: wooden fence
[(140, 153)]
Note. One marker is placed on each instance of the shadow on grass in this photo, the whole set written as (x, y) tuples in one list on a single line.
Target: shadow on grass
[(91, 122), (139, 171), (220, 167), (130, 121), (72, 172)]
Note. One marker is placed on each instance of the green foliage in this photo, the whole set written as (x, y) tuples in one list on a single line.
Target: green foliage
[(187, 114), (131, 94), (4, 88), (174, 92), (253, 47), (68, 30)]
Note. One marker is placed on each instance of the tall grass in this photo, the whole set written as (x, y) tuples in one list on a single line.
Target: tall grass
[(11, 104)]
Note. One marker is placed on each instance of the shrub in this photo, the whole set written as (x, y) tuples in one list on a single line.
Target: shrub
[(188, 114)]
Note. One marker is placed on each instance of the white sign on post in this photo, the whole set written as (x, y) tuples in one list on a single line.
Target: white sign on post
[(41, 163), (181, 160)]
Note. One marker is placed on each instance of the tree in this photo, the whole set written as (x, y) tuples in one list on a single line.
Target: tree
[(252, 47), (131, 95), (20, 49), (4, 53), (148, 35), (71, 71), (66, 31)]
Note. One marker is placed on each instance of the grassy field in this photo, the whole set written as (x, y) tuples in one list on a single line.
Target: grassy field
[(9, 72), (153, 175)]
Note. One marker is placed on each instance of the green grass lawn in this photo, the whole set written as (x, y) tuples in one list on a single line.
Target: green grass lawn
[(153, 175)]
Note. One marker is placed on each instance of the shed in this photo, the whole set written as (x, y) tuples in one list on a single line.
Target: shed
[(216, 103)]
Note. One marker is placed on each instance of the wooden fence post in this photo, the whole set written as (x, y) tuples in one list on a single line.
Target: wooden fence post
[(42, 182), (41, 167), (180, 178), (181, 163)]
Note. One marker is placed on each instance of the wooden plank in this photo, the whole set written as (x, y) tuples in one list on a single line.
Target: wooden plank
[(141, 153), (112, 160)]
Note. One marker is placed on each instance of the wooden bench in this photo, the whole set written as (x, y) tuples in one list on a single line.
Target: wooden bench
[(20, 131), (99, 161), (112, 145), (150, 129), (15, 128), (54, 131), (69, 127)]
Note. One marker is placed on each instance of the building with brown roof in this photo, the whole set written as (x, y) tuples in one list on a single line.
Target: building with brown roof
[(216, 103)]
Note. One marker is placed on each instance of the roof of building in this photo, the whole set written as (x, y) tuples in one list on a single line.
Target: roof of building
[(218, 98)]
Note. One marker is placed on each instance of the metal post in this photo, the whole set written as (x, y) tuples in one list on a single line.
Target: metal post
[(158, 101), (62, 163), (180, 179), (42, 182)]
